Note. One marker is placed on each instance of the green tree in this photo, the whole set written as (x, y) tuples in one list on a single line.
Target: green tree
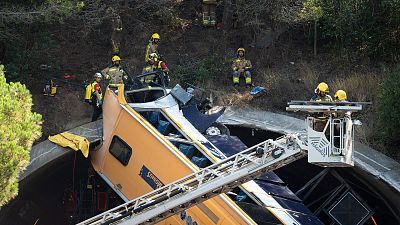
[(19, 128), (312, 11)]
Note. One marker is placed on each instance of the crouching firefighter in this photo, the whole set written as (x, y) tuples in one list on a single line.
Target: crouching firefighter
[(160, 66), (241, 67), (94, 96)]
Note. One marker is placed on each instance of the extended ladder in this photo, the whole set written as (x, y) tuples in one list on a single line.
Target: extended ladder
[(205, 184)]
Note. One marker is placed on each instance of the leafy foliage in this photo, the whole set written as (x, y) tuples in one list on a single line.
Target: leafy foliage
[(390, 107), (311, 10), (203, 71), (38, 11), (19, 127), (368, 27)]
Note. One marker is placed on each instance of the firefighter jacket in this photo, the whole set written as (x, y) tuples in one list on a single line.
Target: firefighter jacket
[(318, 98), (151, 48), (241, 63), (115, 74)]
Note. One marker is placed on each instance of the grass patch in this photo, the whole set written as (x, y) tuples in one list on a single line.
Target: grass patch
[(359, 87), (204, 73), (308, 76)]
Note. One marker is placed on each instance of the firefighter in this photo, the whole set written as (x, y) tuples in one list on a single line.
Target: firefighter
[(152, 46), (94, 96), (321, 93), (340, 96), (159, 65), (241, 67), (116, 36), (115, 73), (209, 12)]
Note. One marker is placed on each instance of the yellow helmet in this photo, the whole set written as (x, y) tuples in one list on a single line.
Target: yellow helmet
[(341, 95), (155, 36), (115, 58), (240, 49), (322, 87)]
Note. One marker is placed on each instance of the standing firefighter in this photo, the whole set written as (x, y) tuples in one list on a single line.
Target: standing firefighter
[(94, 96), (209, 12), (116, 36), (152, 46), (115, 73), (321, 93), (241, 67)]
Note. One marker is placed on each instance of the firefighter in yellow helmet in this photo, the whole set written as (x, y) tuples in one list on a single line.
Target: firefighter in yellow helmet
[(209, 12), (321, 93), (340, 96), (241, 67), (114, 72), (152, 46)]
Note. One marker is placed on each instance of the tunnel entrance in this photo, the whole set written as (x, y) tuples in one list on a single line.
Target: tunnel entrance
[(64, 192)]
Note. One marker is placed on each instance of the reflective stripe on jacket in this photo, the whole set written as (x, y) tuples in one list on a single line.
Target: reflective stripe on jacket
[(115, 74), (150, 48), (241, 64)]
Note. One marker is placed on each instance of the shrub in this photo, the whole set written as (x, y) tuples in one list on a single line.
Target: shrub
[(203, 72), (19, 127), (390, 107)]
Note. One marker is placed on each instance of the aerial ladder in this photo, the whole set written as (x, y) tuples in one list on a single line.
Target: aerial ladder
[(200, 186), (247, 165)]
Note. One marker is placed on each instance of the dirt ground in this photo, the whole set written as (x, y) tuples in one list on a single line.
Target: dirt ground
[(278, 68)]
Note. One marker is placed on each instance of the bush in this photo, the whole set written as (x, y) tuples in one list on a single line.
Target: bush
[(13, 72), (368, 27), (390, 107), (203, 72), (19, 127)]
